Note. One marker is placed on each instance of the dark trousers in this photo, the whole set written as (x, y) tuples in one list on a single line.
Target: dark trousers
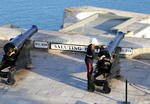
[(89, 65)]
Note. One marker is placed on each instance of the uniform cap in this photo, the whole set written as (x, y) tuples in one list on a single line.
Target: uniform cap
[(93, 41)]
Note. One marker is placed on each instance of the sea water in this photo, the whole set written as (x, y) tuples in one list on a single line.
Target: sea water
[(48, 14)]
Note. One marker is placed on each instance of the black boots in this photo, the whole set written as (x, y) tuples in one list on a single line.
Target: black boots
[(11, 80), (91, 85), (106, 88)]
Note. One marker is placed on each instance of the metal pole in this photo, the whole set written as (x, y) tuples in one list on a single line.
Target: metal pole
[(126, 93), (126, 99)]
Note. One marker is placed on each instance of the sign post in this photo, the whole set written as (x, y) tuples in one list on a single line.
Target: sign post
[(126, 93)]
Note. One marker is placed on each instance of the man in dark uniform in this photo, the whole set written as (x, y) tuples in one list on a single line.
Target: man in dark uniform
[(103, 67), (8, 61), (90, 55)]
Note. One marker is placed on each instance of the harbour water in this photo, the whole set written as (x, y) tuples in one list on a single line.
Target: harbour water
[(48, 14)]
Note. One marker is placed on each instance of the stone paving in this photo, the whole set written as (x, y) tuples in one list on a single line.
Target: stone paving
[(60, 78)]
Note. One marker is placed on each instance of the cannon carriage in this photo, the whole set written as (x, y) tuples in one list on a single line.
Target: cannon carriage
[(108, 65), (14, 49)]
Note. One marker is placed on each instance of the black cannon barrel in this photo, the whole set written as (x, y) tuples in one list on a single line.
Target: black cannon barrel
[(113, 44), (17, 42), (111, 49)]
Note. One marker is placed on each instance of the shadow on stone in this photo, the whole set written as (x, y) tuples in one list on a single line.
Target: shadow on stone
[(80, 102)]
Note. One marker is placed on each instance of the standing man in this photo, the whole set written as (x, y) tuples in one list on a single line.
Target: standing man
[(90, 55)]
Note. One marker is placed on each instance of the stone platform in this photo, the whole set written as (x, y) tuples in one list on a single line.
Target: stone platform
[(60, 78)]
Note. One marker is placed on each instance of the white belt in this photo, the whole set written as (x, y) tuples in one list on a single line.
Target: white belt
[(89, 56)]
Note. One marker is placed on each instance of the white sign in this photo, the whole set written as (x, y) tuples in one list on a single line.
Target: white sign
[(39, 44), (127, 51), (80, 48), (69, 47)]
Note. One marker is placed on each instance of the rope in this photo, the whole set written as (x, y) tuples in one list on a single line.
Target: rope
[(139, 88)]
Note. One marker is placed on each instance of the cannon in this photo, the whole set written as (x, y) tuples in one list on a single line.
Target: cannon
[(17, 43), (108, 65), (16, 47)]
